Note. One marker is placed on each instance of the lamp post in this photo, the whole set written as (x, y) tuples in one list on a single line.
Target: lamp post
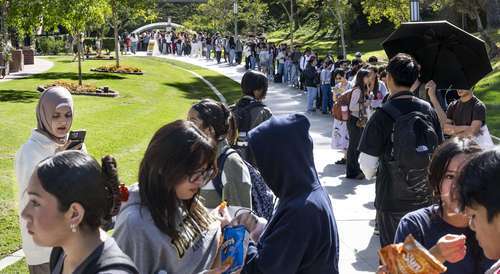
[(414, 10), (235, 10)]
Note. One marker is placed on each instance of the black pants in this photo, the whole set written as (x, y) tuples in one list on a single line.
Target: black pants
[(239, 55), (218, 56), (352, 165), (388, 222)]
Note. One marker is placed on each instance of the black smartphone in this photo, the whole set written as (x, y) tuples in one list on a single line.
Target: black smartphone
[(75, 138)]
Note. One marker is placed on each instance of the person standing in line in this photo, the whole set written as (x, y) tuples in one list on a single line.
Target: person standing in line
[(239, 50), (311, 82), (326, 87), (54, 115), (70, 198), (356, 123), (391, 158)]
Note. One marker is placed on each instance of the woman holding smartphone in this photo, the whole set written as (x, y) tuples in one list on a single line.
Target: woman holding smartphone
[(54, 114)]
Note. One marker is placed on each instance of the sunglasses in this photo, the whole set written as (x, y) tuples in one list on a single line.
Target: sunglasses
[(204, 175)]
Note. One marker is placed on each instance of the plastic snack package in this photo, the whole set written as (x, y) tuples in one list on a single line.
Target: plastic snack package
[(234, 247), (410, 257)]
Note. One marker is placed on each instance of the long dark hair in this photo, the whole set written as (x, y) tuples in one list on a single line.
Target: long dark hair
[(176, 150), (360, 83), (376, 88), (442, 158), (216, 115), (75, 177), (437, 170)]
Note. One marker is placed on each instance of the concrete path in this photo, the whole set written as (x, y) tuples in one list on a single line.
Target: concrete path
[(41, 65), (352, 200)]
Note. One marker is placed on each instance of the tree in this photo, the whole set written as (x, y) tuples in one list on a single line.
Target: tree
[(124, 11), (473, 8), (76, 15), (396, 11), (253, 13), (340, 9)]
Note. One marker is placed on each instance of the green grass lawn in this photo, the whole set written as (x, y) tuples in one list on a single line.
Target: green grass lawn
[(119, 126)]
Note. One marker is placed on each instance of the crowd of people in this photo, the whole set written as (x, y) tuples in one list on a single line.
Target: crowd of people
[(435, 171)]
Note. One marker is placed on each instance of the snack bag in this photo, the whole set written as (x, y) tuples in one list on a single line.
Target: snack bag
[(410, 257), (234, 247)]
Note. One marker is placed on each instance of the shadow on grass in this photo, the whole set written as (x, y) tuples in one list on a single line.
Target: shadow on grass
[(74, 76), (18, 96), (197, 89)]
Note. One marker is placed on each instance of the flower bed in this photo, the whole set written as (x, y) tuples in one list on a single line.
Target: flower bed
[(85, 89), (118, 69), (98, 57)]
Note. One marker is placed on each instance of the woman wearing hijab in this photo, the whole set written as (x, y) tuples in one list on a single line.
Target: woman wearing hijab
[(54, 114)]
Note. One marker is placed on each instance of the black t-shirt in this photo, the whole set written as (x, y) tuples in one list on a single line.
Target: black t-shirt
[(462, 114), (376, 141)]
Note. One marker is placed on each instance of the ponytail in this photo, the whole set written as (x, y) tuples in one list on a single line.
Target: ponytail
[(112, 186)]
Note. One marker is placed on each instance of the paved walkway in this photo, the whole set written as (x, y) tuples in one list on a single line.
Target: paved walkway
[(352, 200), (41, 65)]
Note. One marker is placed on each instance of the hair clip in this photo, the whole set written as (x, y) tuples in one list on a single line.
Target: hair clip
[(123, 193)]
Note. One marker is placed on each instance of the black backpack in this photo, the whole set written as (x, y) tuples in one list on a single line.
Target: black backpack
[(262, 197), (243, 119), (413, 140)]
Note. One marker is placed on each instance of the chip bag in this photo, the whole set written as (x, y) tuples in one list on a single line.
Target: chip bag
[(234, 247), (410, 257)]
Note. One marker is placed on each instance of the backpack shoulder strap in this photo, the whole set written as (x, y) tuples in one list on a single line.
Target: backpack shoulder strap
[(391, 110), (217, 180)]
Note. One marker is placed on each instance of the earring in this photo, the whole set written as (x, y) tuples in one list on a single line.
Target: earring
[(73, 228)]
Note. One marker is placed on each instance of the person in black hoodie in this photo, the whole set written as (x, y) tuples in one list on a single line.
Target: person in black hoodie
[(301, 236)]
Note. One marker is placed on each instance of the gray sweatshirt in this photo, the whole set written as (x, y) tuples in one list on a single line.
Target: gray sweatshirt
[(153, 251), (236, 181)]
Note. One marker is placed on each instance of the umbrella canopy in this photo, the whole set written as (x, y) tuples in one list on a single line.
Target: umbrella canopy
[(450, 56)]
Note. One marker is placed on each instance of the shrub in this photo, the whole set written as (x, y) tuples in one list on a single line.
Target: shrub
[(50, 45), (120, 69)]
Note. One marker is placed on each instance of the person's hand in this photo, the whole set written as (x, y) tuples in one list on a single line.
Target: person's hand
[(222, 214), (382, 270), (431, 88), (450, 248), (67, 144), (253, 224), (218, 270)]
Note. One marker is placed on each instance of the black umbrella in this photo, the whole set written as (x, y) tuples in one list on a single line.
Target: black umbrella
[(450, 56)]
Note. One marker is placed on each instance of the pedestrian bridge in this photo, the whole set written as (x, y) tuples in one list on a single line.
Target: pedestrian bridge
[(159, 25)]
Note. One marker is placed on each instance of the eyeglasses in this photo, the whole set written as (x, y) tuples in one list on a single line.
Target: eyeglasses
[(205, 175)]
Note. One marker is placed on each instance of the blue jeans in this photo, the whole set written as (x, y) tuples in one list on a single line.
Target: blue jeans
[(312, 93), (232, 55), (252, 62), (295, 75), (287, 75), (281, 69), (327, 98), (209, 51)]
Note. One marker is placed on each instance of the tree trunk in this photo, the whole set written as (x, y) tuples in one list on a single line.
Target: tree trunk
[(117, 44), (494, 50), (291, 23), (79, 59), (341, 23), (493, 13)]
